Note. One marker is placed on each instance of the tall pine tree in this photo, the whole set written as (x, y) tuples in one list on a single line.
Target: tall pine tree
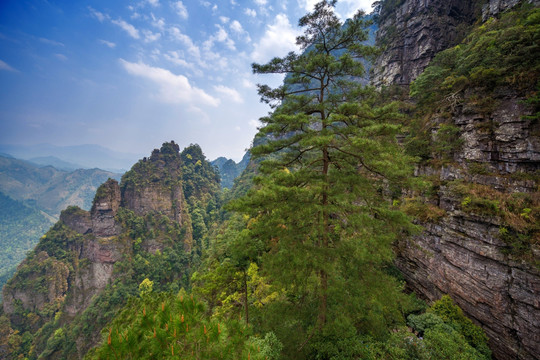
[(322, 203)]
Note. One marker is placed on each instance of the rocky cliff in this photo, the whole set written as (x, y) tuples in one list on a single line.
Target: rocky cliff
[(413, 31), (481, 243), (93, 260)]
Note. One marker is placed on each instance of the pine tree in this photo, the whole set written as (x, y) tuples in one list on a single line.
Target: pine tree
[(322, 204)]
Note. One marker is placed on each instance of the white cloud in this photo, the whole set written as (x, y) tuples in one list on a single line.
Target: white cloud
[(248, 84), (180, 9), (130, 29), (238, 29), (230, 93), (6, 67), (173, 89), (174, 57), (224, 19), (50, 42), (260, 2), (250, 12), (254, 123), (192, 49), (307, 5), (61, 57), (205, 3), (153, 2), (220, 36), (150, 36), (236, 26), (155, 54), (98, 15), (158, 22), (108, 43), (278, 39)]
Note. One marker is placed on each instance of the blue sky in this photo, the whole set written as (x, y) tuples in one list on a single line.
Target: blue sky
[(129, 75)]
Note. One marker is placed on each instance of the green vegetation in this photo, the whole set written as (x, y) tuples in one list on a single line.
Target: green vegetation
[(20, 230), (501, 51), (518, 212), (297, 266), (167, 326)]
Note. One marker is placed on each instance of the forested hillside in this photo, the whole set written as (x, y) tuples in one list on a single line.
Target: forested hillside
[(389, 222), (20, 229), (47, 188)]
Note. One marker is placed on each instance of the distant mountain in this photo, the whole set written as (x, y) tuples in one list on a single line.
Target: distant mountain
[(55, 162), (84, 156), (47, 188), (230, 170), (20, 230)]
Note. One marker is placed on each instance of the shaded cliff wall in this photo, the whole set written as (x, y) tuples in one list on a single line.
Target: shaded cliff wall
[(464, 252), (414, 31)]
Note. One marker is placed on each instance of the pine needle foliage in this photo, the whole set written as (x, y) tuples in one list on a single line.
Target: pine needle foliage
[(164, 326), (330, 165)]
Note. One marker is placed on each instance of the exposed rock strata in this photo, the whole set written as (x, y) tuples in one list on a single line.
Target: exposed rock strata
[(462, 254), (414, 32), (105, 208), (77, 263)]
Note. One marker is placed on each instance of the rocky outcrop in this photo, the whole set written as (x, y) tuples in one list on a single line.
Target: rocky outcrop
[(465, 253), (105, 207), (75, 260), (49, 278), (77, 219), (494, 7), (413, 32), (93, 271)]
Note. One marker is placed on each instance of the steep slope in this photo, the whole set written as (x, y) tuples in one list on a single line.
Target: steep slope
[(476, 130), (20, 229), (411, 32), (90, 262)]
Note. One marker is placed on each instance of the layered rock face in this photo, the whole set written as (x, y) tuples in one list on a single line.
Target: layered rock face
[(105, 208), (75, 260), (465, 253), (413, 32), (155, 185)]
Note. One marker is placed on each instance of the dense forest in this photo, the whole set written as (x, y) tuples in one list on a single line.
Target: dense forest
[(296, 260)]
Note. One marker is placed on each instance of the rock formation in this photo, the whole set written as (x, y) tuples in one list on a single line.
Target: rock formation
[(464, 253), (105, 208), (413, 32), (75, 261)]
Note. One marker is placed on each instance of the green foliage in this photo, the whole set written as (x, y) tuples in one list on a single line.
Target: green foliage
[(166, 326), (443, 332), (319, 218), (145, 287), (452, 315), (447, 141), (20, 230), (520, 229), (502, 51)]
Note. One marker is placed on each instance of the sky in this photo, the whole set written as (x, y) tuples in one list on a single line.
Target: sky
[(130, 75)]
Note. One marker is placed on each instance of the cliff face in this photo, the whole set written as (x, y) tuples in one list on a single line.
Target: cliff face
[(413, 32), (463, 254), (485, 190), (129, 225)]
